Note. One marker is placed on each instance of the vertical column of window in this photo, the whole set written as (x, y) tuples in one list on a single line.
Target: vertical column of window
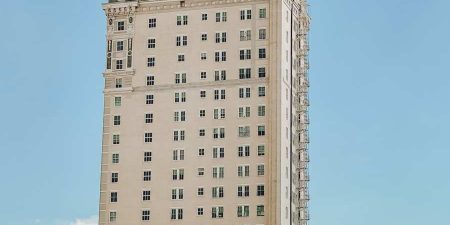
[(109, 55), (130, 53)]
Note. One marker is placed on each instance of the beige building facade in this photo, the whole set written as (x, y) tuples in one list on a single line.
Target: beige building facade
[(205, 113)]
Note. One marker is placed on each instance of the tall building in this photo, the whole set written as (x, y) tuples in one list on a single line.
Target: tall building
[(206, 113)]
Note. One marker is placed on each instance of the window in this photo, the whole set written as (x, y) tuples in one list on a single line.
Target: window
[(113, 197), (245, 54), (119, 46), (243, 191), (219, 133), (260, 170), (116, 120), (114, 177), (179, 116), (245, 73), (149, 99), (178, 155), (261, 130), (181, 58), (244, 131), (180, 78), (204, 16), (220, 75), (152, 23), (177, 193), (146, 195), (180, 96), (112, 216), (200, 191), (261, 91), (262, 13), (199, 211), (147, 156), (261, 150), (219, 94), (244, 151), (120, 25), (260, 190), (221, 37), (243, 171), (178, 174), (203, 56), (219, 113), (218, 172), (115, 158), (217, 192), (245, 35), (244, 92), (178, 135), (116, 139), (217, 212), (148, 137), (260, 210), (221, 17), (202, 113), (244, 112), (262, 34), (151, 62), (119, 64), (202, 75), (181, 41), (117, 101), (151, 43), (262, 53), (182, 20), (147, 175), (262, 72), (218, 152), (150, 80), (221, 56), (149, 118), (146, 215), (246, 14), (176, 214), (200, 171), (202, 94), (243, 211), (118, 82), (261, 110), (201, 152), (204, 37)]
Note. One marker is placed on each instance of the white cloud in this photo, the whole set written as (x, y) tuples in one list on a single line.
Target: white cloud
[(93, 220)]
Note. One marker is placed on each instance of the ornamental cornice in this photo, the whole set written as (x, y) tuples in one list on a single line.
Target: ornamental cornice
[(145, 6), (120, 9)]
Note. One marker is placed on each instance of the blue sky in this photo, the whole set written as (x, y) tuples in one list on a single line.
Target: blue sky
[(380, 111)]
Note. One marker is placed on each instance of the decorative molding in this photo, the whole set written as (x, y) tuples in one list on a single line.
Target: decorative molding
[(118, 90), (208, 84), (119, 73)]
